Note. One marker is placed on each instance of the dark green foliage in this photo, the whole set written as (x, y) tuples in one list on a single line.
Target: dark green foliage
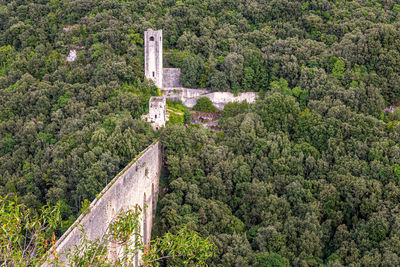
[(234, 108), (67, 128), (204, 104), (177, 106), (218, 81), (310, 173), (282, 186), (271, 260), (187, 117), (175, 118)]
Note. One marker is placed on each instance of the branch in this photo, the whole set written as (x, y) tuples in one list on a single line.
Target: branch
[(102, 240), (165, 257)]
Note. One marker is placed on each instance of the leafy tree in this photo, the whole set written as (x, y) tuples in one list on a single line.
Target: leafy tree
[(26, 238), (271, 260), (218, 81), (204, 104), (234, 108)]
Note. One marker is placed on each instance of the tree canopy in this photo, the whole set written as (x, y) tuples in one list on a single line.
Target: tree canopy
[(308, 175)]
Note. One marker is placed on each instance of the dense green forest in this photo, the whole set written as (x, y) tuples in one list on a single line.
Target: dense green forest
[(67, 128), (308, 175)]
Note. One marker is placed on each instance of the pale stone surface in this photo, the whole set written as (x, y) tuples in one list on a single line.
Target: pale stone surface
[(171, 78), (153, 53), (137, 184), (72, 55), (219, 99), (157, 105), (389, 109), (181, 93)]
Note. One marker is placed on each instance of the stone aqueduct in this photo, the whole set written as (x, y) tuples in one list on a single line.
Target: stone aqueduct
[(138, 183)]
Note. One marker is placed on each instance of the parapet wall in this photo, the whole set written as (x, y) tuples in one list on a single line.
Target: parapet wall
[(137, 184), (219, 99)]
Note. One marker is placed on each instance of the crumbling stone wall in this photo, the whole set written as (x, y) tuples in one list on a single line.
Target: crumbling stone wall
[(171, 78), (137, 184), (219, 99), (157, 112)]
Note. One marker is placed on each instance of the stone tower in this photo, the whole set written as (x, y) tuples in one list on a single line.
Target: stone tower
[(153, 56), (157, 105)]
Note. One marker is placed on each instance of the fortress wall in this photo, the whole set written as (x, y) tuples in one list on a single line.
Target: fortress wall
[(183, 93), (137, 184), (193, 93), (171, 77), (219, 99)]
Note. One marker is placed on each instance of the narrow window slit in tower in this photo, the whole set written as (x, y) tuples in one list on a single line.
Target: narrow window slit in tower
[(153, 73)]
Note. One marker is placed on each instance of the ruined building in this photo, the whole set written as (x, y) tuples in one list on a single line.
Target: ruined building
[(168, 80), (157, 112), (138, 183)]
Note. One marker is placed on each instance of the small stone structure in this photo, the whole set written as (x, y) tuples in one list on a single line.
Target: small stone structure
[(137, 184), (157, 112), (72, 55)]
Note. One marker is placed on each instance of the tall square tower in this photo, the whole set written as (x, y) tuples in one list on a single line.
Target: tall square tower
[(153, 56)]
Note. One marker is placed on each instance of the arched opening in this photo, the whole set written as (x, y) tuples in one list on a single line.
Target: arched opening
[(153, 200), (153, 74), (152, 38), (144, 220)]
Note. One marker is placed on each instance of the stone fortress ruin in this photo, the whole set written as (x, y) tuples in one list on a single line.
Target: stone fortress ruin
[(138, 183), (168, 80)]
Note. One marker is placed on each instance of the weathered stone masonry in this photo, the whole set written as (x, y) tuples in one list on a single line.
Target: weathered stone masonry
[(168, 80), (137, 184)]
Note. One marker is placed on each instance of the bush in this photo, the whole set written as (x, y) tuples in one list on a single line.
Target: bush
[(234, 108), (205, 105), (175, 118), (271, 260)]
